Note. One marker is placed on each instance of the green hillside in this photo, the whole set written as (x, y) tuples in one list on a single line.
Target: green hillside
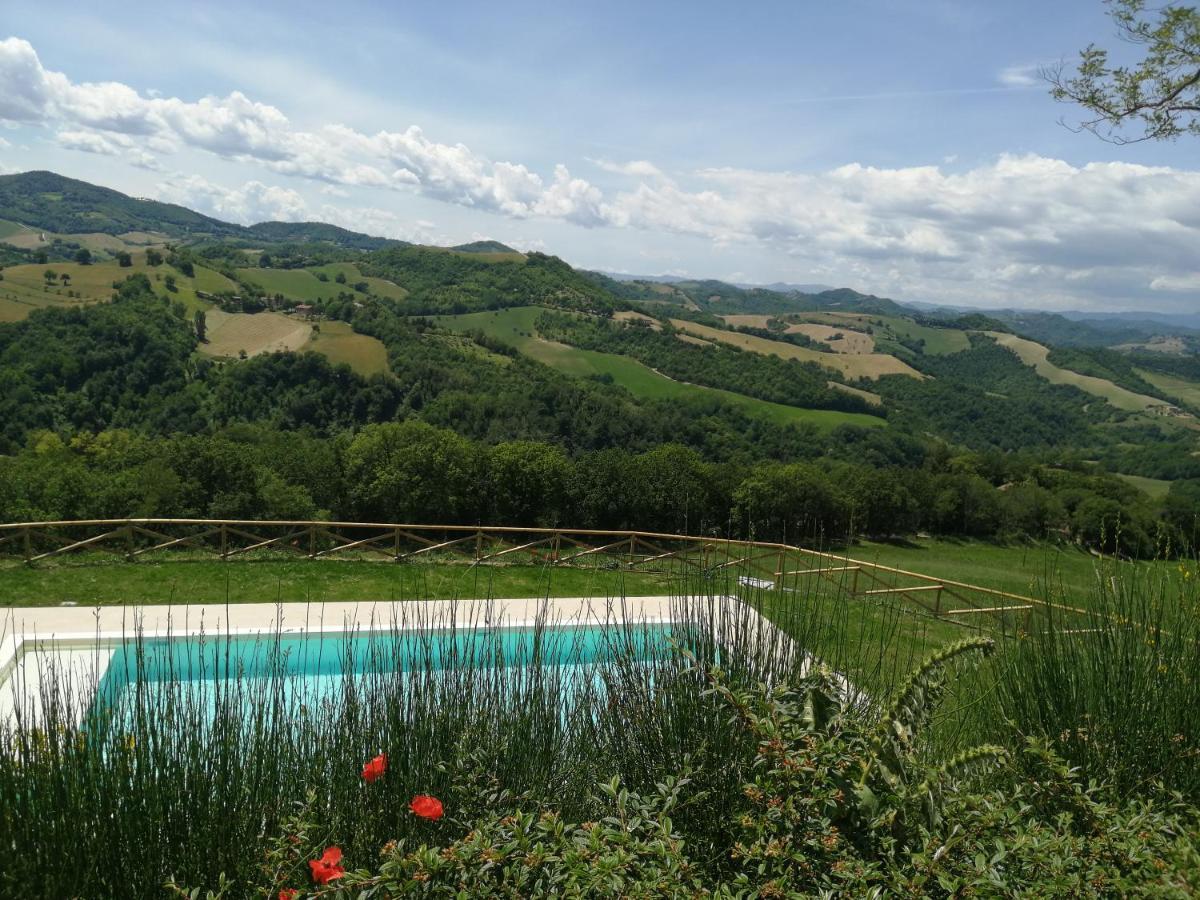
[(517, 327), (65, 205)]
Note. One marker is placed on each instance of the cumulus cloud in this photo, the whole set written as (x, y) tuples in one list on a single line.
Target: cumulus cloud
[(250, 203), (96, 116), (1018, 226), (1020, 230)]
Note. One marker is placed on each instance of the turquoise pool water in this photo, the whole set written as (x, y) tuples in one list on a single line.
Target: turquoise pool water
[(312, 668)]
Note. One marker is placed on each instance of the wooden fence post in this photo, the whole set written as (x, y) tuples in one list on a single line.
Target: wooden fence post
[(224, 542), (129, 557), (28, 545)]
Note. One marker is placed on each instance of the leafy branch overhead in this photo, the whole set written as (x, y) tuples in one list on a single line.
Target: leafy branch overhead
[(1159, 96)]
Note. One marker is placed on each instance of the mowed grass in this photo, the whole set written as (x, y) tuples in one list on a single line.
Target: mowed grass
[(231, 334), (8, 229), (1034, 354), (861, 366), (516, 327), (339, 343), (1040, 570), (102, 580)]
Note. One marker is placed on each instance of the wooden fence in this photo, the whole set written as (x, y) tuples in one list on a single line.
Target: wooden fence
[(753, 564)]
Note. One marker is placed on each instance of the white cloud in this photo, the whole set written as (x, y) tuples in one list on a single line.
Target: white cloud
[(639, 168), (1021, 76), (1189, 283), (1018, 230), (250, 203)]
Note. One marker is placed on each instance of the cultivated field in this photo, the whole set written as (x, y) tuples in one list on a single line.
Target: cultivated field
[(378, 286), (516, 327), (1185, 390), (339, 343), (24, 288), (229, 334), (865, 366), (1154, 487), (1034, 354)]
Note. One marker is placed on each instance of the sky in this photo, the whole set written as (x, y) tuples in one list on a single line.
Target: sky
[(905, 148)]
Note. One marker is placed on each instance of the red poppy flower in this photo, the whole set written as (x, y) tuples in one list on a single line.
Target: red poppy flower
[(288, 894), (375, 767), (427, 807), (326, 869)]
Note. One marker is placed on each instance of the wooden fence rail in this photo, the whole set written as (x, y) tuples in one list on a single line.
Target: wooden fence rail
[(762, 563)]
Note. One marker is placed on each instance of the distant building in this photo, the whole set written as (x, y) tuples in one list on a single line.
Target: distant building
[(304, 309)]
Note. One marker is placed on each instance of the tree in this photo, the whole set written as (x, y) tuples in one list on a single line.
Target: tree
[(340, 278), (50, 276), (124, 260), (199, 320), (153, 258), (83, 256), (170, 284), (1159, 96), (264, 261)]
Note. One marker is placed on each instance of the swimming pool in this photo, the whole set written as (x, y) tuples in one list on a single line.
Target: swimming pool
[(120, 680)]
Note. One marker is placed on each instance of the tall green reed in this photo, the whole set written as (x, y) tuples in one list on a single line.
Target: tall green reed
[(1117, 687), (186, 771)]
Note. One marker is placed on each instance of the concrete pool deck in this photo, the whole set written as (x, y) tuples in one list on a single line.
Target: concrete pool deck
[(63, 622)]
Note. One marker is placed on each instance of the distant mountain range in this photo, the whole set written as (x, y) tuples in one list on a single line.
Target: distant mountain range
[(66, 206)]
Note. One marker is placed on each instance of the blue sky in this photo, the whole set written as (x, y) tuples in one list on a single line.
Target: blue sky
[(903, 148)]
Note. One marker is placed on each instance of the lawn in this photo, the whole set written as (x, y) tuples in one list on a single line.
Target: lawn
[(1021, 568), (516, 327), (98, 579)]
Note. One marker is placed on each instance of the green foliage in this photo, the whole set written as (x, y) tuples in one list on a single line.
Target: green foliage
[(1159, 95), (50, 201), (820, 813), (440, 282), (769, 378), (1101, 362)]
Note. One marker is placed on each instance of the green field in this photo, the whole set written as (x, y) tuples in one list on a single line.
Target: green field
[(1185, 390), (378, 286), (339, 343), (516, 327), (8, 229), (97, 579), (295, 284), (24, 288), (1154, 487), (303, 284)]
